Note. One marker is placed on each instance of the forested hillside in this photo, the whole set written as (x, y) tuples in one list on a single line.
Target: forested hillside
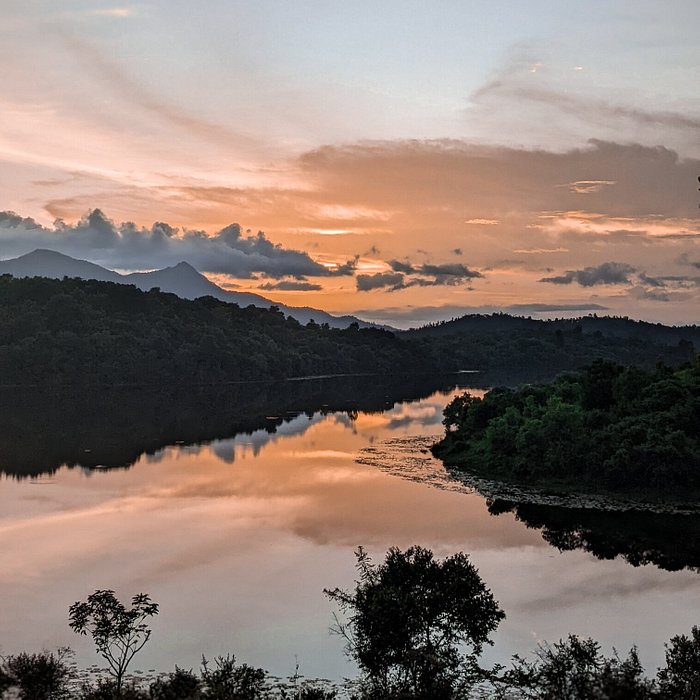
[(83, 332)]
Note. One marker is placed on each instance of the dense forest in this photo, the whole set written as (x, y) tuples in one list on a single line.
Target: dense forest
[(606, 428), (72, 332)]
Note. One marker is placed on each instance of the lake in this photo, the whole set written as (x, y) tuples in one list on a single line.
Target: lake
[(234, 507)]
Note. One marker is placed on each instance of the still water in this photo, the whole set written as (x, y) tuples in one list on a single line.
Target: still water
[(234, 509)]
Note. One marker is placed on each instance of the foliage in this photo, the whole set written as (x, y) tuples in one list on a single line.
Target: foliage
[(574, 669), (228, 681), (606, 427), (119, 633), (410, 616), (74, 332), (179, 685), (681, 676), (42, 676), (106, 689)]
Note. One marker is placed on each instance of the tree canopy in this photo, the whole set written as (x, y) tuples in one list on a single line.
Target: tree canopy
[(410, 619), (608, 427)]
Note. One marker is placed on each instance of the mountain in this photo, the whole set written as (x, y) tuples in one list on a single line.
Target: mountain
[(607, 326), (181, 279), (49, 263)]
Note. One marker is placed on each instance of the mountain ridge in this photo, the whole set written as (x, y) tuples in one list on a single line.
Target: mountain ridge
[(181, 279)]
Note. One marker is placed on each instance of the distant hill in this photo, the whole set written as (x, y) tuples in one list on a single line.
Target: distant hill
[(181, 279), (607, 326), (49, 263), (72, 332)]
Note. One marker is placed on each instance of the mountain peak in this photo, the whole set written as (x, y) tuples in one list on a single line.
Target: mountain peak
[(45, 253), (184, 266)]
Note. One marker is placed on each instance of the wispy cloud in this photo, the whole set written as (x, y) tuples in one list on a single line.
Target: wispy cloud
[(121, 12), (588, 186)]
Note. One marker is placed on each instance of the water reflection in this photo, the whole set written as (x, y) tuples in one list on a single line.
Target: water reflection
[(41, 432), (669, 541), (235, 523)]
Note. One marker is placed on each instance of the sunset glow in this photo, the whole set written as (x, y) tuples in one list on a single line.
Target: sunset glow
[(423, 162)]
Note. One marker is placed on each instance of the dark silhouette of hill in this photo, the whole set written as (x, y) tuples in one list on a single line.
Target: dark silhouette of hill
[(83, 332), (607, 326), (181, 279)]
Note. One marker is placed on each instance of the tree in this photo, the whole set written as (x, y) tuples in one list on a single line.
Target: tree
[(119, 634), (42, 676), (575, 669), (681, 676), (408, 618)]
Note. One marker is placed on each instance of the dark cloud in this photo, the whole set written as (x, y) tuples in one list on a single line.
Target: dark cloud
[(684, 259), (291, 286), (405, 274), (651, 281), (606, 273), (429, 275), (127, 246), (677, 281), (398, 266), (456, 270), (653, 294), (381, 280)]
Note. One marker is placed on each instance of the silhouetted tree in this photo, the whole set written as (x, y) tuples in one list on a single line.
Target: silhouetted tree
[(42, 676), (119, 633), (408, 618), (681, 676)]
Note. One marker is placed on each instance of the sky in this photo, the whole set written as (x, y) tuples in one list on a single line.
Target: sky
[(405, 161)]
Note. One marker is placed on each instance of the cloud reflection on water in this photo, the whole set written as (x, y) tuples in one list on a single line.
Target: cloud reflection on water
[(237, 540)]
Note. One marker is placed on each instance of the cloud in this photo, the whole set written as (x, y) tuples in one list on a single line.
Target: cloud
[(555, 107), (443, 274), (127, 246), (588, 186), (121, 12), (606, 273), (677, 281), (640, 292), (651, 281), (380, 280), (406, 274), (133, 92), (684, 259), (537, 251), (291, 286)]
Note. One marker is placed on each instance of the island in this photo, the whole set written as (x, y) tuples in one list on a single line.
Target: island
[(604, 428)]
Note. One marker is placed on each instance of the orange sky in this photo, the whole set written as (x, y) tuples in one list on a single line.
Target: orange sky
[(444, 171)]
